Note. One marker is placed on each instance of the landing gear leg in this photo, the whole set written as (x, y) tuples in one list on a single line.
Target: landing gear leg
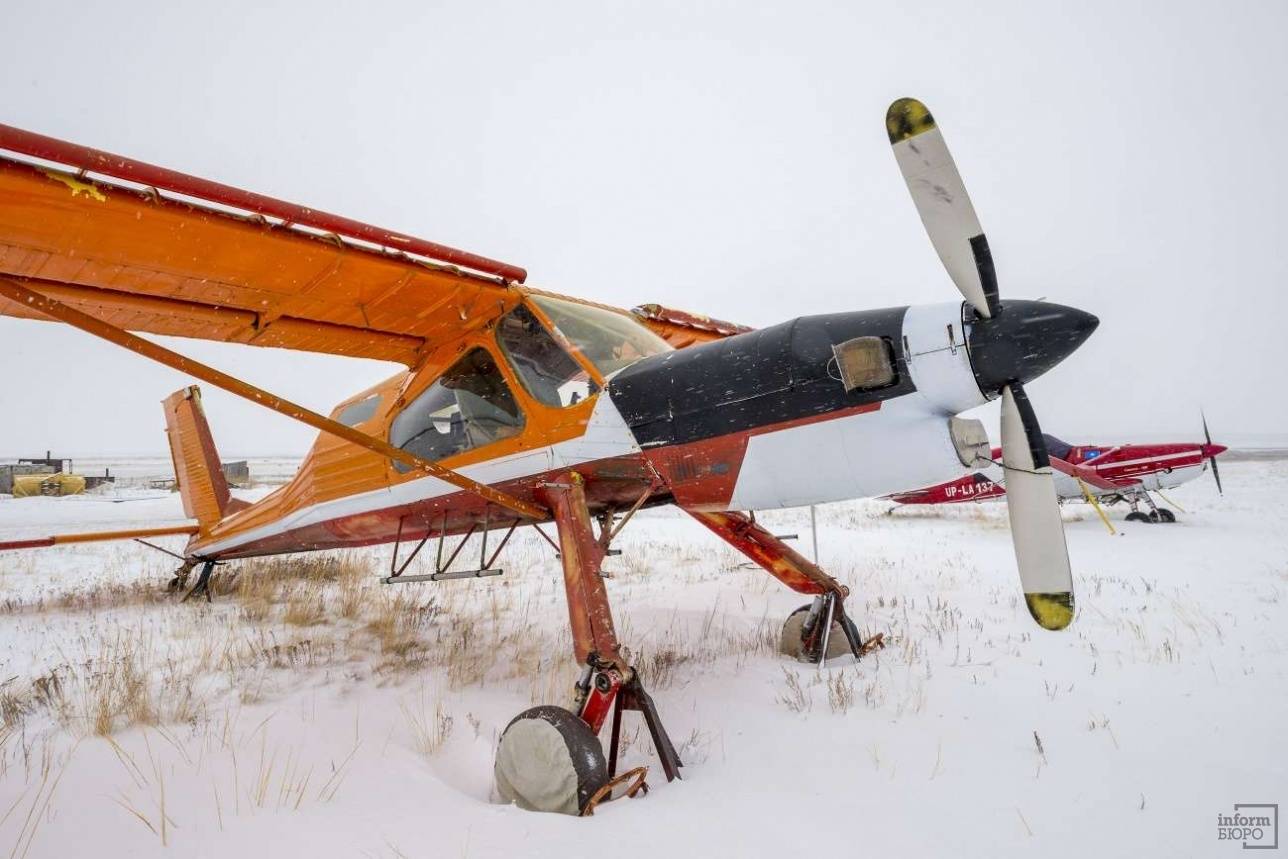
[(820, 630), (812, 633), (203, 582), (1155, 515), (550, 759), (1135, 515), (1153, 508)]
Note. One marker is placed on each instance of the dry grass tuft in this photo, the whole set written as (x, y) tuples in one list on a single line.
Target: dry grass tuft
[(796, 698), (111, 690), (304, 605), (429, 729), (394, 620), (840, 691)]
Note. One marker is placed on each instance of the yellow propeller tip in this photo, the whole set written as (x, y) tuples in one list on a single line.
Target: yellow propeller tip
[(1051, 611), (906, 118)]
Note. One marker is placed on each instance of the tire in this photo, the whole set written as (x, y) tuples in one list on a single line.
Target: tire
[(1137, 516), (1165, 515), (549, 760), (791, 643)]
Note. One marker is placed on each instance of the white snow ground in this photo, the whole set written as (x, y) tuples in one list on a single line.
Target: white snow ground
[(322, 734)]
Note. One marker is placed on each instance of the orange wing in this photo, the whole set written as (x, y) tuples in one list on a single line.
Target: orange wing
[(236, 267)]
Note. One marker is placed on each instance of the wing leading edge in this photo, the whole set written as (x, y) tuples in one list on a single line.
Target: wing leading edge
[(229, 265)]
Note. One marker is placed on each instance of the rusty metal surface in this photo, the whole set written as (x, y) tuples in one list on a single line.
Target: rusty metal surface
[(681, 328), (589, 613), (780, 560)]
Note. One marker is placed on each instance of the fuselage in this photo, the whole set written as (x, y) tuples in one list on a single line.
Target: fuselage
[(1126, 468), (765, 419)]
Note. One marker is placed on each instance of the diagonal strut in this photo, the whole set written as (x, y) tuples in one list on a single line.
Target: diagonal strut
[(15, 291)]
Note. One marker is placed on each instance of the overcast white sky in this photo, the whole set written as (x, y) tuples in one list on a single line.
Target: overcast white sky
[(728, 158)]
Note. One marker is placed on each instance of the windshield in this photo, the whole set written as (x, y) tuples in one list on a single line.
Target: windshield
[(609, 340), (1057, 448)]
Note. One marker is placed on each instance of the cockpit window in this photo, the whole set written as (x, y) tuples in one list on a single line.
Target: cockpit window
[(609, 340), (469, 406), (548, 373)]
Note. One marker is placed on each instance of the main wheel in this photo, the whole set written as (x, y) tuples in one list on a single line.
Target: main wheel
[(792, 641), (1137, 516), (1165, 515), (549, 760)]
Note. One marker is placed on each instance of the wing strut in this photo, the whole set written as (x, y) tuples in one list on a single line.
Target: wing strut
[(96, 536), (15, 291)]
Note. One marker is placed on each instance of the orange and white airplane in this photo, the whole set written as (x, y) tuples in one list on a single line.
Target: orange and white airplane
[(521, 407)]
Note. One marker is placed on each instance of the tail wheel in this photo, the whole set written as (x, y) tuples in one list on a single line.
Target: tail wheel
[(180, 580), (549, 760), (792, 642), (1165, 515)]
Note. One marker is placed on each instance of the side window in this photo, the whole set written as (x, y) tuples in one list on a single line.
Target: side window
[(359, 412), (548, 373), (469, 406)]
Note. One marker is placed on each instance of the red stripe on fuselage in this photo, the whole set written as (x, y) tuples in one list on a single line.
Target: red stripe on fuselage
[(1127, 464), (699, 475), (615, 482)]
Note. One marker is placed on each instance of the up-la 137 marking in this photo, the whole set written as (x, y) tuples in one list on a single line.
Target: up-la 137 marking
[(520, 407)]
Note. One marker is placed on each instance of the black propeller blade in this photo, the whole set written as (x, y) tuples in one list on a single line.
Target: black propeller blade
[(1207, 443)]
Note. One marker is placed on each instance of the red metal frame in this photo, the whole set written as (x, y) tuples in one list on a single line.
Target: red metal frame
[(608, 685), (604, 688), (782, 561), (593, 635), (117, 166)]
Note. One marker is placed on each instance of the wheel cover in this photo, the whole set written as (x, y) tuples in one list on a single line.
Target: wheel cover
[(790, 643), (548, 760)]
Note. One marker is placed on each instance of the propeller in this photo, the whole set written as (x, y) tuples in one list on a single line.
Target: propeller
[(1210, 453), (943, 204), (1009, 343)]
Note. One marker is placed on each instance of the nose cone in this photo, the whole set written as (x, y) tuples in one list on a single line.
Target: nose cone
[(1211, 450), (1023, 341)]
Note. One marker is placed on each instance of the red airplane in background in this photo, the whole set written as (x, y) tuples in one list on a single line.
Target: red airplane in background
[(1097, 473)]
